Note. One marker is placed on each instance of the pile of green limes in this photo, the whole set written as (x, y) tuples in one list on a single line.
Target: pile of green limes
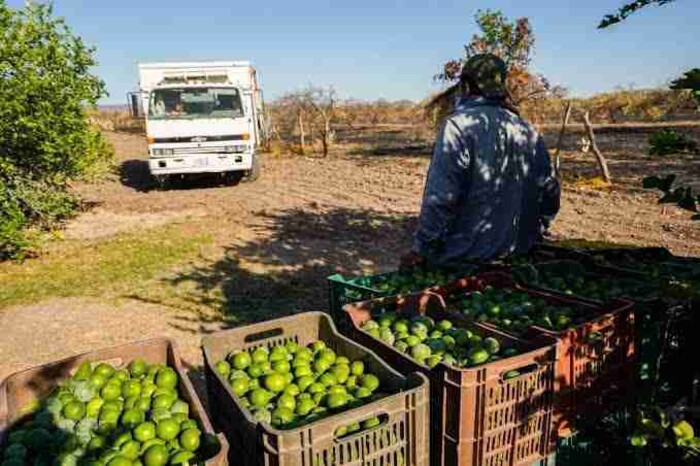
[(104, 416), (516, 311), (431, 343), (290, 385)]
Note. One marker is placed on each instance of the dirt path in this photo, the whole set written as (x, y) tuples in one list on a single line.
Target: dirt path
[(278, 238)]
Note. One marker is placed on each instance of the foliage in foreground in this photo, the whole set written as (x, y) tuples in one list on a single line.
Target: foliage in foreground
[(46, 139)]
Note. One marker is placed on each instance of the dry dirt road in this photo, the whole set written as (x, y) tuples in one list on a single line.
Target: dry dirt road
[(273, 242)]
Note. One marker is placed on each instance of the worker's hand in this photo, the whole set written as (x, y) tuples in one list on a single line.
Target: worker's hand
[(411, 260)]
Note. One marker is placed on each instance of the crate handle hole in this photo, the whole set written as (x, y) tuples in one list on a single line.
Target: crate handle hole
[(264, 335), (340, 434), (518, 372)]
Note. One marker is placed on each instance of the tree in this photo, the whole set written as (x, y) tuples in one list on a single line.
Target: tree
[(324, 101), (626, 10), (514, 42), (46, 138), (690, 81)]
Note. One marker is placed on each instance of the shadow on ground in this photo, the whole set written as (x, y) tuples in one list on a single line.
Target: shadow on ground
[(135, 174), (285, 272)]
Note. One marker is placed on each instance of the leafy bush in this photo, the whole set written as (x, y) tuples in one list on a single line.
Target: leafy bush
[(668, 141), (46, 138)]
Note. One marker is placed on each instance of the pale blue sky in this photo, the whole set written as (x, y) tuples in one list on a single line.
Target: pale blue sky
[(374, 49)]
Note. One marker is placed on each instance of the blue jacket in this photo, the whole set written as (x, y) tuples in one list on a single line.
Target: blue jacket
[(490, 191)]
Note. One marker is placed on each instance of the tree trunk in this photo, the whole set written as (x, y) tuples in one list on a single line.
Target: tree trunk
[(560, 139), (302, 134), (325, 136), (602, 163)]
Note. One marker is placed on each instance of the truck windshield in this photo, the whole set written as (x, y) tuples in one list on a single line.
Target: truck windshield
[(200, 102)]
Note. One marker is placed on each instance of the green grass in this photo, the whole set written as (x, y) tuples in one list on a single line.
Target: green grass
[(116, 266)]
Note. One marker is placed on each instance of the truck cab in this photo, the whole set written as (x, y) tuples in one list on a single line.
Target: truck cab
[(202, 118)]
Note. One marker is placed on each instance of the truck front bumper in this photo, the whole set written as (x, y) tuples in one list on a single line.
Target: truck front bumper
[(200, 163)]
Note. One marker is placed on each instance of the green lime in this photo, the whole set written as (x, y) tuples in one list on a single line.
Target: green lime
[(241, 360), (130, 449), (491, 345), (357, 368), (337, 390), (132, 418), (131, 388), (373, 421), (179, 417), (148, 388), (321, 365), (156, 455), (182, 457), (316, 387), (97, 381), (341, 372), (166, 378), (96, 443), (223, 368), (317, 346), (259, 397), (370, 382), (105, 370), (75, 410), (138, 368), (305, 382), (121, 375), (149, 443), (190, 439), (328, 379), (162, 401), (362, 392), (119, 461), (188, 424), (292, 389), (158, 414), (239, 386), (278, 353), (83, 372), (282, 416), (336, 400), (281, 366), (351, 382), (354, 427), (253, 384), (304, 407), (286, 401), (111, 391), (304, 354), (256, 370), (260, 355), (167, 429), (275, 382), (143, 403), (478, 356), (145, 431), (112, 405)]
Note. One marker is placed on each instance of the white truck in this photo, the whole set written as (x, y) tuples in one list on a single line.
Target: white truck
[(201, 117)]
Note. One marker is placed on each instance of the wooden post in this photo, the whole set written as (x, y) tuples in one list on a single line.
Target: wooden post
[(602, 163)]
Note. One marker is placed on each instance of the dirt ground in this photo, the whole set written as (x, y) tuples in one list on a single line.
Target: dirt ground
[(306, 217)]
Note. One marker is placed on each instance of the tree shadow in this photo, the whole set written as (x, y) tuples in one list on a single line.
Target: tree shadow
[(286, 272)]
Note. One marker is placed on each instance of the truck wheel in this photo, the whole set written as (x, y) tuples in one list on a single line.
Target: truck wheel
[(254, 172), (233, 178), (161, 181)]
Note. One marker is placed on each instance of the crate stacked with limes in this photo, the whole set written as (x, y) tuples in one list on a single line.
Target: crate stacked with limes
[(597, 340), (294, 391), (83, 411), (348, 290), (486, 386)]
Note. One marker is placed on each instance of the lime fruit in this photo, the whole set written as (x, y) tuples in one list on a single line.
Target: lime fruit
[(145, 431), (167, 429), (75, 410), (190, 439), (156, 455), (166, 378), (241, 360)]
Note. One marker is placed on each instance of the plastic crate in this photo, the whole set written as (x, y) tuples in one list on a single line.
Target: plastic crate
[(664, 263), (28, 386), (343, 291), (477, 417), (596, 362), (401, 439)]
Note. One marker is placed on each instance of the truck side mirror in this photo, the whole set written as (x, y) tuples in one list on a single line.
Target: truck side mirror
[(135, 107)]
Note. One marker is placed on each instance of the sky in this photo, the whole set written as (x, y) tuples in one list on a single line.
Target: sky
[(372, 49)]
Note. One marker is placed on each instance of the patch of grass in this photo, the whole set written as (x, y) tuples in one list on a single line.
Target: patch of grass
[(110, 267)]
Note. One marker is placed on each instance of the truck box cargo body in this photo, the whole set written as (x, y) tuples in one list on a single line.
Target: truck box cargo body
[(201, 117)]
